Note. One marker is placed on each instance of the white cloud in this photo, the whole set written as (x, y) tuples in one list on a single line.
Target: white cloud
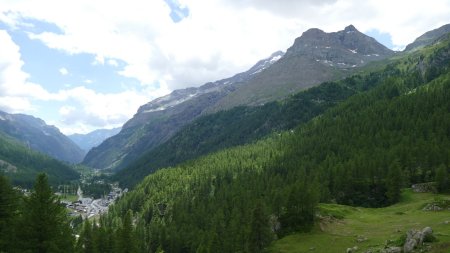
[(86, 109), (15, 89), (113, 62), (218, 39), (63, 71)]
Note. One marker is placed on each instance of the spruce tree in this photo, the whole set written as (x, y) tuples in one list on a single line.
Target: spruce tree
[(45, 226), (126, 236), (86, 242), (260, 234), (394, 183), (8, 208), (442, 179)]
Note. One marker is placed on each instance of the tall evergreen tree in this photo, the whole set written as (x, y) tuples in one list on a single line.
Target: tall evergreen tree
[(126, 236), (45, 226), (260, 234), (8, 208), (442, 179), (86, 242), (394, 182)]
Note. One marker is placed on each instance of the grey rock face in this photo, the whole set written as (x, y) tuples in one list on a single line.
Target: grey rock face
[(344, 49), (315, 57)]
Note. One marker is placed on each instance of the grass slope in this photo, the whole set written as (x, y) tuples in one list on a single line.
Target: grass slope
[(376, 224)]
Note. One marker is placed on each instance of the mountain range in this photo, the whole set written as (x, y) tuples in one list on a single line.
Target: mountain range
[(192, 122), (315, 57), (215, 171), (93, 139)]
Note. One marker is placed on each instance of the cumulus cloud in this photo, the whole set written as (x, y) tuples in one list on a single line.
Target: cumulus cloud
[(217, 39), (83, 110), (89, 110), (15, 89)]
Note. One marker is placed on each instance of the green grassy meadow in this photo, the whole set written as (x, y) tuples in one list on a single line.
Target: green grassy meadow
[(343, 225)]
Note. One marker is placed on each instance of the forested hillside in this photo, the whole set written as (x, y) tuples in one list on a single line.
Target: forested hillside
[(360, 152), (37, 135), (234, 127), (22, 164)]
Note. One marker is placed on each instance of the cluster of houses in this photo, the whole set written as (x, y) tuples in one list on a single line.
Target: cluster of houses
[(88, 207)]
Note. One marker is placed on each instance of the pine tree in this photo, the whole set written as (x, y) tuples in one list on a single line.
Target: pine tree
[(126, 235), (8, 207), (442, 179), (394, 183), (45, 226), (85, 243), (260, 234)]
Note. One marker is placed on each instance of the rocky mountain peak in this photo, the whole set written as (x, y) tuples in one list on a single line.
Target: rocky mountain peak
[(350, 28), (345, 49)]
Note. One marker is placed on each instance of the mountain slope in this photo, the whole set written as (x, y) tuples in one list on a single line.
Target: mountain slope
[(315, 57), (245, 124), (158, 120), (22, 164), (428, 38), (356, 153), (93, 139), (37, 135)]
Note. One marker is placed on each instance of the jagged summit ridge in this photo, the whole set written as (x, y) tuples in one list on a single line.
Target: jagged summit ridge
[(348, 48)]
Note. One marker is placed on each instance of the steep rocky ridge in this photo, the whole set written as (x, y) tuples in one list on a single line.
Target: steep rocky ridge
[(315, 57)]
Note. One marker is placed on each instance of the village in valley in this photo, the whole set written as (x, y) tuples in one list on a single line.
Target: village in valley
[(91, 195), (89, 207)]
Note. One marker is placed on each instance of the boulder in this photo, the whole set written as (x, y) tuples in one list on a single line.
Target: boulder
[(415, 238), (361, 239), (392, 250), (352, 250), (427, 232), (424, 187)]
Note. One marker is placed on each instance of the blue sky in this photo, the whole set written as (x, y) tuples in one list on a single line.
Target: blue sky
[(93, 72)]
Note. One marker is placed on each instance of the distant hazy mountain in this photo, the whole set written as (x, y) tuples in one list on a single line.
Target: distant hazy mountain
[(93, 139), (315, 57), (428, 38), (37, 135), (158, 120)]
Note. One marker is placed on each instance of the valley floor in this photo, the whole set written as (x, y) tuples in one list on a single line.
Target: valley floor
[(370, 228)]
